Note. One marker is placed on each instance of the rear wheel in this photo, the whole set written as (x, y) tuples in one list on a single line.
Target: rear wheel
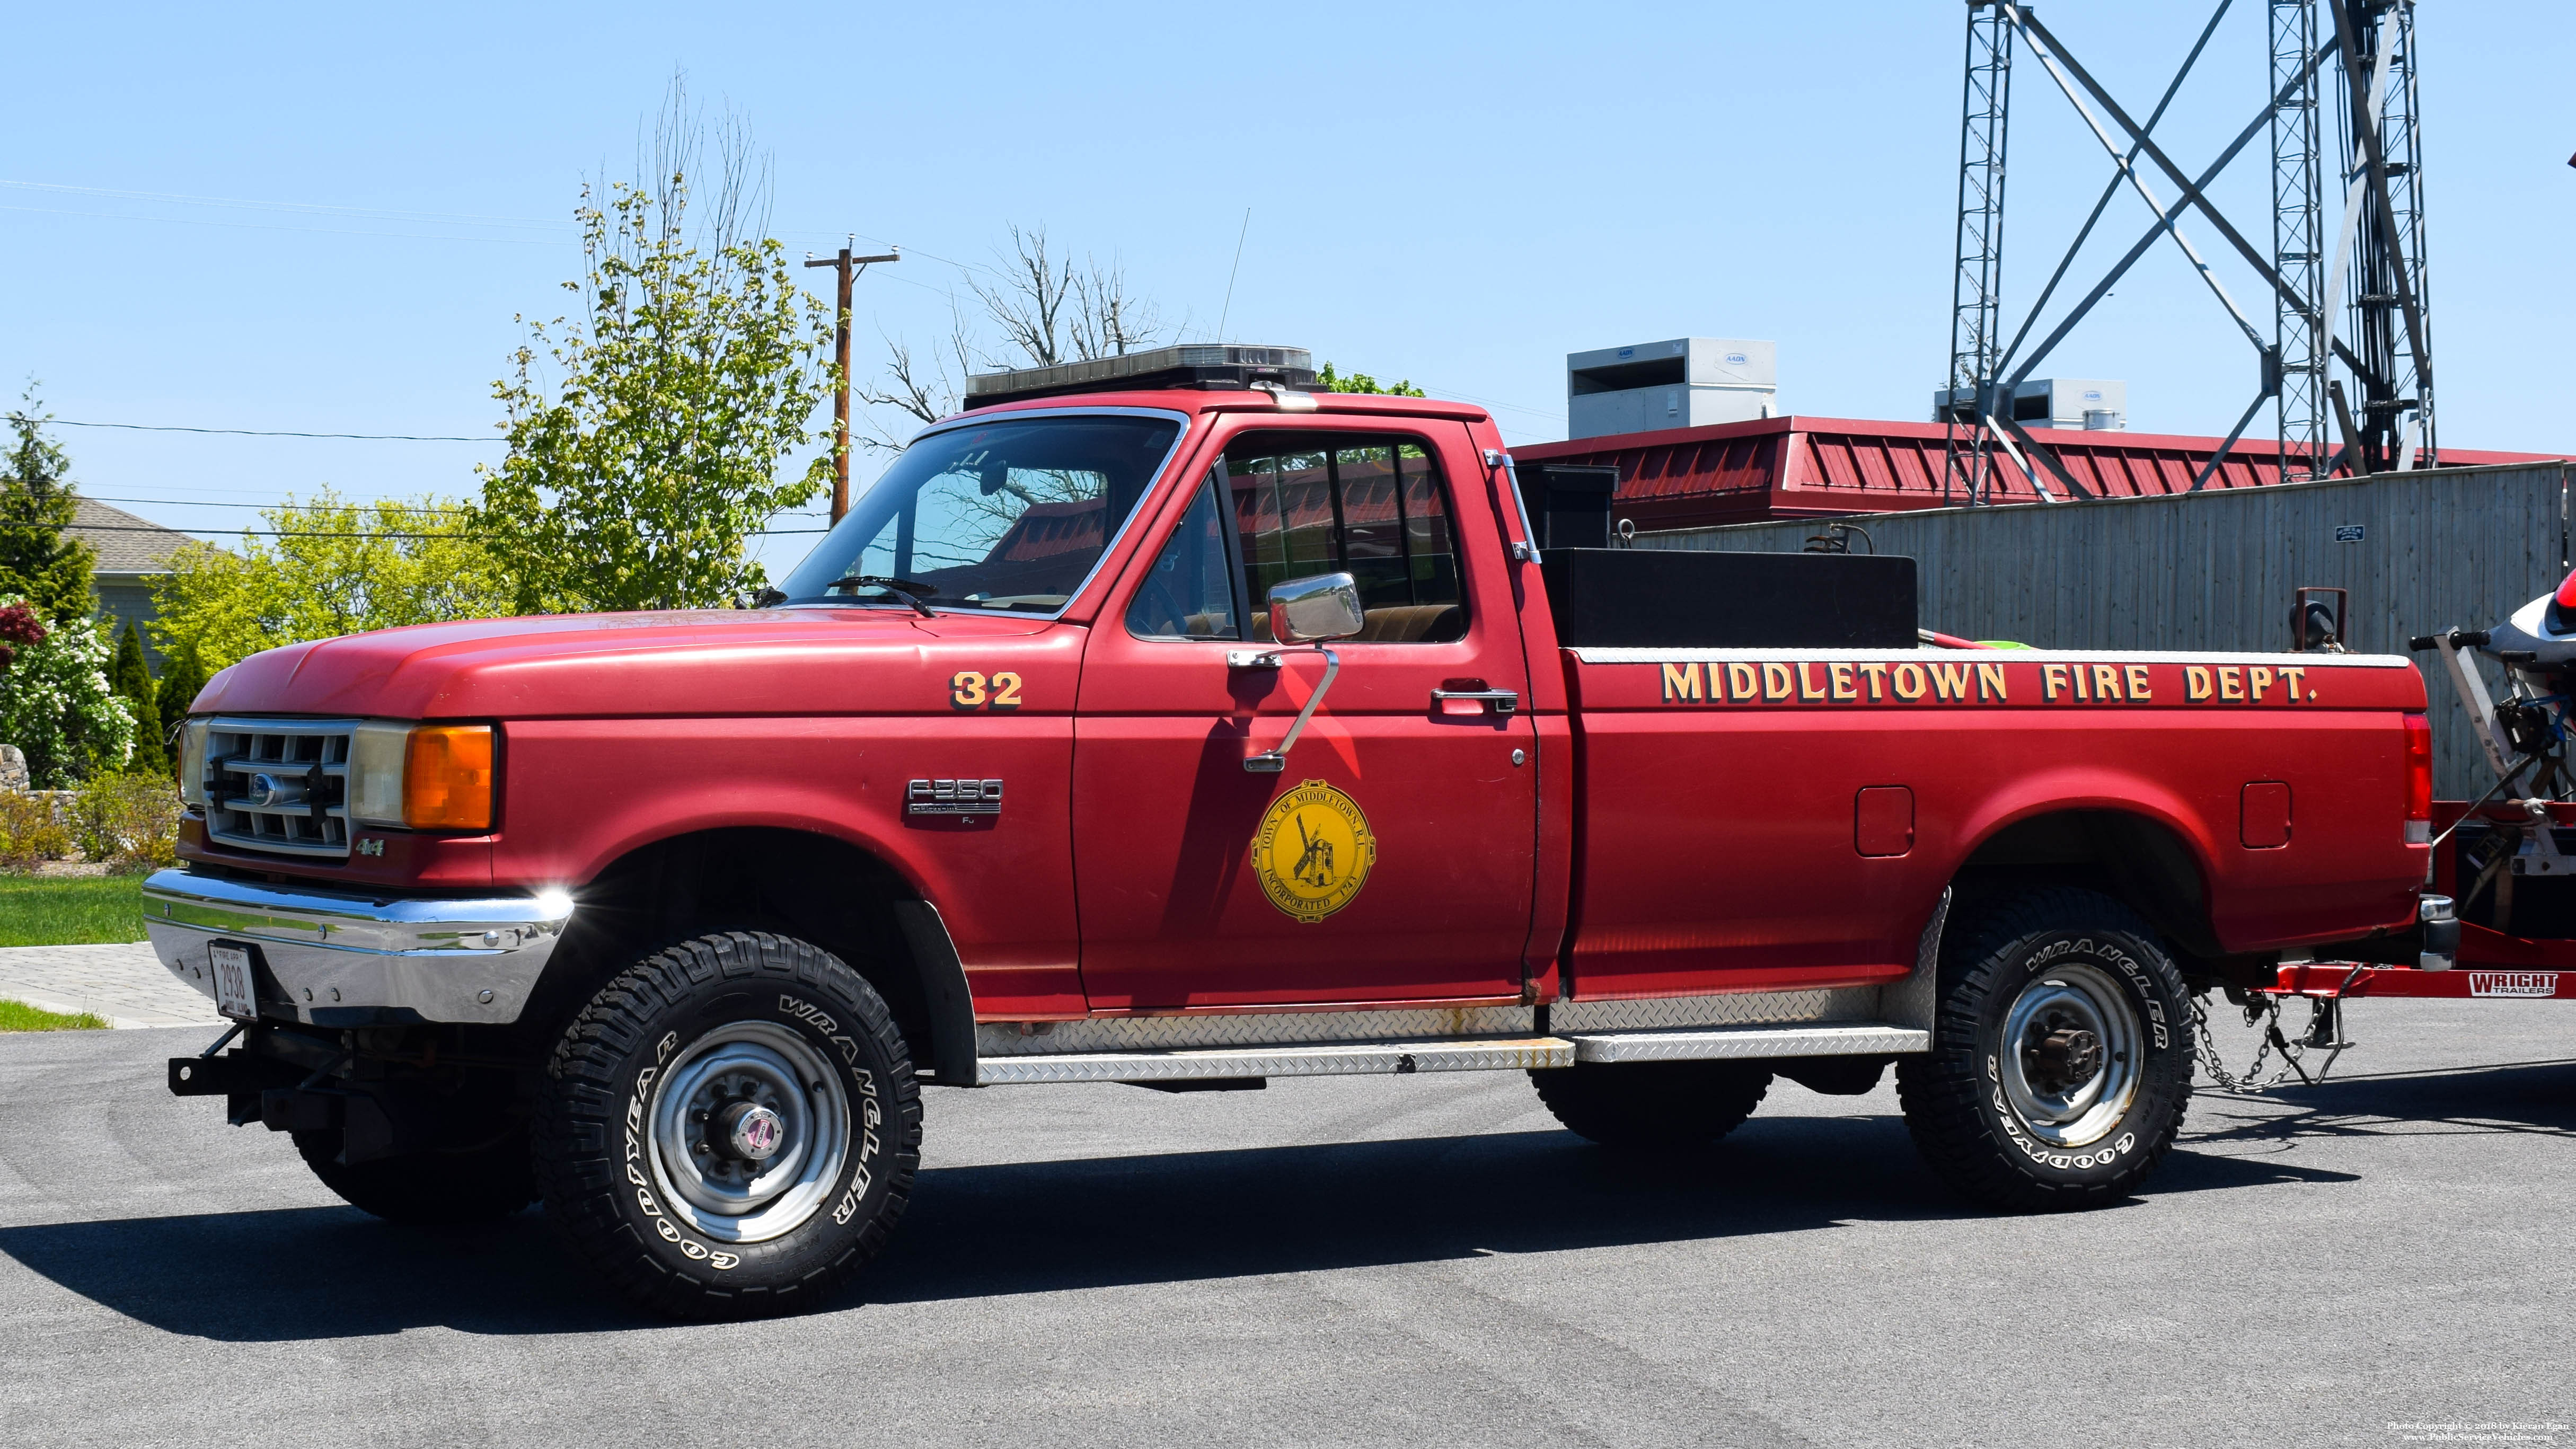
[(2061, 1060), (1653, 1104), (730, 1128)]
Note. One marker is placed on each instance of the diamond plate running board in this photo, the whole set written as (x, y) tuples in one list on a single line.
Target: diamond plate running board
[(1351, 1059), (1749, 1042)]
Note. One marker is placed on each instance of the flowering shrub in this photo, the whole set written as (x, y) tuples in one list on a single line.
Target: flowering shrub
[(56, 704), (28, 834), (19, 627), (130, 821)]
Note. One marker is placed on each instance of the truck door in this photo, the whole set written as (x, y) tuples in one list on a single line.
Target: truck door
[(1392, 859)]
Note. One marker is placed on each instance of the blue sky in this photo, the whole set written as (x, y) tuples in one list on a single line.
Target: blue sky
[(1458, 195)]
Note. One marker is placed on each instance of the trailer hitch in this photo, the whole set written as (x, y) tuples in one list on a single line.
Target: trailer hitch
[(2324, 1033)]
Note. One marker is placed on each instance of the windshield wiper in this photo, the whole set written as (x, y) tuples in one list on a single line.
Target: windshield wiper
[(910, 591)]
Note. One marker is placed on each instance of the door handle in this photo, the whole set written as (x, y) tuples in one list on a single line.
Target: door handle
[(1499, 701)]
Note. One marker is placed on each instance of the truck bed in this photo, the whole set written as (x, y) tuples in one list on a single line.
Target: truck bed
[(1770, 819)]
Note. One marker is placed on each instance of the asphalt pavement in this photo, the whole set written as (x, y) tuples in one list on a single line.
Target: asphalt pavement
[(125, 983), (1406, 1261)]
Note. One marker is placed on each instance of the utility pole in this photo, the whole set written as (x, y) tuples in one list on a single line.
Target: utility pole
[(848, 267)]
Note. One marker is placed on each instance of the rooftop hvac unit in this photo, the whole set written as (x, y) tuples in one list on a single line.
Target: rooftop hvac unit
[(1686, 382), (2083, 404)]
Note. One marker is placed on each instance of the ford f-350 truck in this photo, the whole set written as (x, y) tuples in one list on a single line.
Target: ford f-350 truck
[(1164, 722)]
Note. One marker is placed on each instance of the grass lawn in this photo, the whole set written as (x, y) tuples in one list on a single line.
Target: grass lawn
[(19, 1016), (70, 910)]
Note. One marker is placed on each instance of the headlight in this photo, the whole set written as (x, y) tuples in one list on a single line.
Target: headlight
[(376, 772), (427, 777), (192, 762)]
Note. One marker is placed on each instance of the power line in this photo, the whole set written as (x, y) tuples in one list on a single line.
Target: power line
[(384, 213), (530, 241), (253, 432), (252, 503), (355, 503), (320, 533)]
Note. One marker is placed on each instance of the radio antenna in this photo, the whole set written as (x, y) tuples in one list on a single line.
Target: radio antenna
[(1239, 235)]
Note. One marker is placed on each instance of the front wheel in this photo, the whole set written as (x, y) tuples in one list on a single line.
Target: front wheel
[(2061, 1056), (730, 1128)]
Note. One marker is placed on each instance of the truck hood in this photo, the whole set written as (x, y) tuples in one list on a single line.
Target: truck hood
[(706, 661)]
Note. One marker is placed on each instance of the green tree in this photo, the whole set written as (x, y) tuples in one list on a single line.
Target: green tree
[(1362, 382), (638, 475), (130, 675), (183, 678), (336, 568), (37, 561)]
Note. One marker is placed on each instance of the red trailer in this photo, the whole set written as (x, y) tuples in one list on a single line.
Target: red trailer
[(2498, 920)]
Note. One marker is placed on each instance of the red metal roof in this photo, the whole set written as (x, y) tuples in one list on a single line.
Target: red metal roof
[(1802, 467)]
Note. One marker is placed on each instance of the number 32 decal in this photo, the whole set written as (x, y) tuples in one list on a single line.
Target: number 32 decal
[(968, 689)]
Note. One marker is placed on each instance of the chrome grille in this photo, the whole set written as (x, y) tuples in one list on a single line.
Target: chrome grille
[(279, 785)]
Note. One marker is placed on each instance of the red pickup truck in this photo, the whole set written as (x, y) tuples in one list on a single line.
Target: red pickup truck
[(1162, 722)]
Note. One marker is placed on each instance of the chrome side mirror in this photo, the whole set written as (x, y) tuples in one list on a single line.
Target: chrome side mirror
[(1313, 610)]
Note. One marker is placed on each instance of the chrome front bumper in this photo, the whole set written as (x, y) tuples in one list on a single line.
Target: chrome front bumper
[(339, 959)]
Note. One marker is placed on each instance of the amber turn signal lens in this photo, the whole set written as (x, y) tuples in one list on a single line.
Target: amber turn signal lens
[(447, 778)]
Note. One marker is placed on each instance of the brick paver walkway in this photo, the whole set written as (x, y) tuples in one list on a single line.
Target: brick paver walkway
[(126, 984)]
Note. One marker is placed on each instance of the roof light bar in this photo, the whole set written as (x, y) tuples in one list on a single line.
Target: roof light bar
[(1195, 364)]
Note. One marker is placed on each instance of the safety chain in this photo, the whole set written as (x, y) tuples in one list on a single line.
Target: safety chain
[(2269, 1013)]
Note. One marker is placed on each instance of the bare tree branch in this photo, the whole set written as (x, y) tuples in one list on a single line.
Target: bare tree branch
[(721, 181), (1107, 322), (1046, 310), (1028, 303), (924, 390)]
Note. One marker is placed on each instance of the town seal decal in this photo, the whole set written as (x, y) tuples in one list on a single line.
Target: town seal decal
[(1313, 851)]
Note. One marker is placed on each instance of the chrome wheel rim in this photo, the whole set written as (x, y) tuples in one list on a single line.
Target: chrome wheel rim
[(702, 1143), (2070, 1055)]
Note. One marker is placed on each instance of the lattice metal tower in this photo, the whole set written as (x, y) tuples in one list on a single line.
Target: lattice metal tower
[(1976, 287), (2298, 242), (2348, 370), (2385, 292)]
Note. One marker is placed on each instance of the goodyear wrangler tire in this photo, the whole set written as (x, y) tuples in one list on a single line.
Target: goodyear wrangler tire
[(730, 1128), (1653, 1104), (2061, 1059)]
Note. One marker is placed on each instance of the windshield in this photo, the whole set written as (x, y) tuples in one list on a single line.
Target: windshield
[(1006, 515)]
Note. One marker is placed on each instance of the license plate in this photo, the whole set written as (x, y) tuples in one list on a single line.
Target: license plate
[(233, 994)]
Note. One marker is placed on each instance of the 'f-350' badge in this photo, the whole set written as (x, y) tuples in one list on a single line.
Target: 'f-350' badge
[(1313, 851)]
